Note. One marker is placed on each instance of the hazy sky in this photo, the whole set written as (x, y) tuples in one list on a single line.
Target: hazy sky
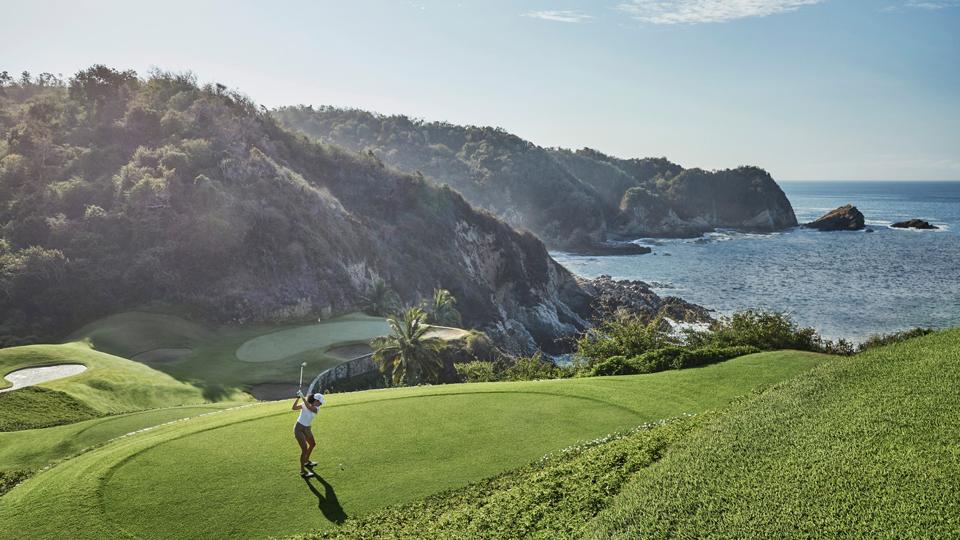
[(808, 89)]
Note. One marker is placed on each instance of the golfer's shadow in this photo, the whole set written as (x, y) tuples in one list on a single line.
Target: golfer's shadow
[(329, 504)]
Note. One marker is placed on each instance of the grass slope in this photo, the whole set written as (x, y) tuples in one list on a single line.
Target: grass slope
[(35, 407), (551, 498), (233, 474), (36, 448), (134, 332), (858, 448), (109, 385)]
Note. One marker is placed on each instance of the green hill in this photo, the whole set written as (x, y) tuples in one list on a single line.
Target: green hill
[(122, 191), (109, 385), (233, 473), (568, 199), (859, 448)]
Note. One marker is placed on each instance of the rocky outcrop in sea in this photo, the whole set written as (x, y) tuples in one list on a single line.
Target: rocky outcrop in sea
[(844, 218), (914, 224)]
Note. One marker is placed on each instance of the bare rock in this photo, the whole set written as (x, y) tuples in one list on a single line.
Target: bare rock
[(845, 218)]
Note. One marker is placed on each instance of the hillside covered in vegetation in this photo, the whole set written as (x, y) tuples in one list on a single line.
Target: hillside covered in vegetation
[(570, 199), (118, 191)]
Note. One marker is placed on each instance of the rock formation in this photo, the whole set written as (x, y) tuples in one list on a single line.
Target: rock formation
[(914, 224), (845, 218)]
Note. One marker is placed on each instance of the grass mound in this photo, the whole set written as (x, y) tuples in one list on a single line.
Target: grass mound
[(394, 446), (858, 448), (135, 332), (110, 384), (37, 407)]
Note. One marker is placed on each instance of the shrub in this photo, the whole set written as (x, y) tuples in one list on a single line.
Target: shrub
[(475, 371), (764, 330), (880, 340), (615, 365), (530, 369), (658, 360), (623, 336), (710, 355)]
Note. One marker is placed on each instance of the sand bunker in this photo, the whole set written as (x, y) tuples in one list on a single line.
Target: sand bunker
[(349, 352), (273, 391), (31, 376), (163, 356)]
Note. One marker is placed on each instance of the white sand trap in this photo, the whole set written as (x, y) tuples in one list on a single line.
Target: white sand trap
[(162, 356), (36, 375), (446, 332)]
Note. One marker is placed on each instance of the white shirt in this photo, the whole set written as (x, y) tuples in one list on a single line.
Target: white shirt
[(306, 416)]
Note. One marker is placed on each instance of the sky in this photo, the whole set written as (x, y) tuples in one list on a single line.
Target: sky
[(807, 89)]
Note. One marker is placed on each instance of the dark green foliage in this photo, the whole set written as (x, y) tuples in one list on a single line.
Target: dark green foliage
[(669, 358), (441, 309), (472, 372), (9, 479), (35, 407), (381, 300), (765, 330), (896, 337), (406, 355), (118, 191), (552, 498), (623, 336), (531, 369)]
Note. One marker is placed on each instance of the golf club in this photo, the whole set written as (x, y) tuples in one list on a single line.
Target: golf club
[(303, 365)]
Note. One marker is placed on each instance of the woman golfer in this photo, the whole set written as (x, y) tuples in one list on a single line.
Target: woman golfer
[(301, 430)]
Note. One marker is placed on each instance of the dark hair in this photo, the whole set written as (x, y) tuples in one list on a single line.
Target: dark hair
[(311, 399)]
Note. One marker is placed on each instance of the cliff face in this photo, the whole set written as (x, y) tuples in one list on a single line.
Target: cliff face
[(660, 198), (119, 191), (571, 200)]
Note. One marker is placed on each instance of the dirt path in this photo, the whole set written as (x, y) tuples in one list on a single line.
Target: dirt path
[(31, 376)]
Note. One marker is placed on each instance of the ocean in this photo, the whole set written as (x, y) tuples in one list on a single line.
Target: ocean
[(847, 284)]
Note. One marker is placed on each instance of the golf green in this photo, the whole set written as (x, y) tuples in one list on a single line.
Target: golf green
[(234, 473)]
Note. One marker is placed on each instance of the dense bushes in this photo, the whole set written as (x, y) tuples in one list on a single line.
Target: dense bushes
[(896, 337), (669, 358), (530, 368)]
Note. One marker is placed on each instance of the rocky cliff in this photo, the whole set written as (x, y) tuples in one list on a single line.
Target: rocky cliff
[(118, 191), (571, 200)]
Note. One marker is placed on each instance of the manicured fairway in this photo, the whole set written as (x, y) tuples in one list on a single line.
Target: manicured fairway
[(233, 474), (222, 361), (280, 345)]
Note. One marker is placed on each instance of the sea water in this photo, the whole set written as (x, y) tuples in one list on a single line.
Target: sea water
[(847, 284)]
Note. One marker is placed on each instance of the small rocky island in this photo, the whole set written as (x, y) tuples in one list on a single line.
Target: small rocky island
[(845, 218), (914, 224)]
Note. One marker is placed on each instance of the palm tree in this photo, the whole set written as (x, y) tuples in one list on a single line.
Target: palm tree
[(406, 356), (441, 309), (382, 300)]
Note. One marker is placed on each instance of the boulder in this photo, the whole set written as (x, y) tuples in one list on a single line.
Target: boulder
[(845, 218), (914, 224)]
